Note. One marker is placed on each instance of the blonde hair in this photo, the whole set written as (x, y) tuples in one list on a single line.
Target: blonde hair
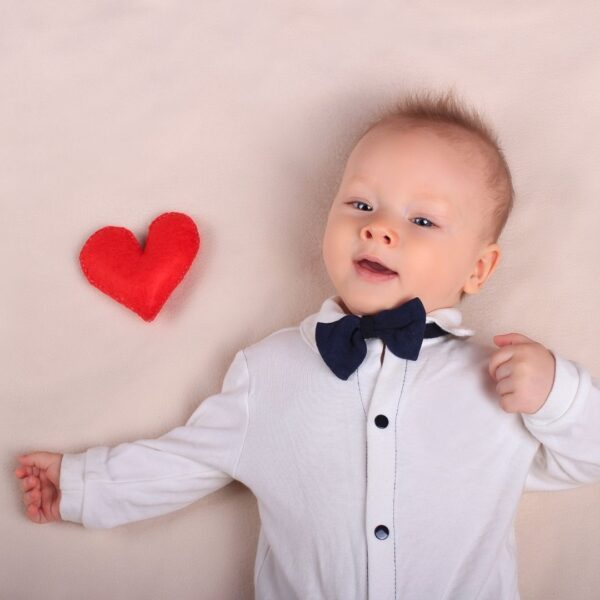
[(454, 120)]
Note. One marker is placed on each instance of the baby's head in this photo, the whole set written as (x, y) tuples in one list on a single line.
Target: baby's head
[(426, 191)]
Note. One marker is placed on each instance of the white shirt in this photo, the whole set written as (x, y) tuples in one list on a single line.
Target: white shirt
[(444, 476)]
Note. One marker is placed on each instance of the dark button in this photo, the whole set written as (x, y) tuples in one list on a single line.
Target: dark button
[(381, 421), (381, 532)]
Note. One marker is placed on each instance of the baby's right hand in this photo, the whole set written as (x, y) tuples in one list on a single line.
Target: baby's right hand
[(40, 475)]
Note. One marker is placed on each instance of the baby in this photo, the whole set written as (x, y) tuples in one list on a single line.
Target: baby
[(387, 451)]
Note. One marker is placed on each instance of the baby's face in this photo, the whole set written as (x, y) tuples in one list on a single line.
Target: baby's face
[(416, 203)]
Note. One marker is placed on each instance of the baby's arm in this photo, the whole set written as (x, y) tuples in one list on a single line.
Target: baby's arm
[(105, 487), (568, 427), (40, 475)]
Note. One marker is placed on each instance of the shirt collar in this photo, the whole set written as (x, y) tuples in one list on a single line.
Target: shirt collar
[(448, 318)]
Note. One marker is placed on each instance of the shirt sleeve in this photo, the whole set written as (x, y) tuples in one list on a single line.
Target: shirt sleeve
[(568, 427), (104, 487)]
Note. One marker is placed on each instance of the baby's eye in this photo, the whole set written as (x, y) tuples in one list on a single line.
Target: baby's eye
[(353, 202), (425, 219)]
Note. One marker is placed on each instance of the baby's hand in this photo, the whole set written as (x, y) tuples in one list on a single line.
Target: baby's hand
[(524, 370), (40, 475)]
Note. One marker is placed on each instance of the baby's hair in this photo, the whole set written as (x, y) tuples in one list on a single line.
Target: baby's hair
[(454, 120)]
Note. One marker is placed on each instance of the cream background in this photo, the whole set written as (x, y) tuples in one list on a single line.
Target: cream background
[(239, 114)]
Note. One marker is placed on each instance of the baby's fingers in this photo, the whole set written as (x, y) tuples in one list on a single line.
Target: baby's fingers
[(36, 511), (37, 460), (40, 473), (29, 483), (32, 497), (33, 513), (23, 471)]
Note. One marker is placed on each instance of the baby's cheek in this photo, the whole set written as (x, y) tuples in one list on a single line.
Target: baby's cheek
[(331, 254)]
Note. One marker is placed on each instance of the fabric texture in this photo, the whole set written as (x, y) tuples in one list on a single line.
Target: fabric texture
[(400, 482)]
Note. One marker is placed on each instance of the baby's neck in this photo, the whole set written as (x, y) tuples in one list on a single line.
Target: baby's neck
[(344, 307)]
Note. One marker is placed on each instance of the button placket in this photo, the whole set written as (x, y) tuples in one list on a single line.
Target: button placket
[(368, 372), (381, 472)]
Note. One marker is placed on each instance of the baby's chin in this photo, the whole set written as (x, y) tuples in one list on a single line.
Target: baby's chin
[(368, 306)]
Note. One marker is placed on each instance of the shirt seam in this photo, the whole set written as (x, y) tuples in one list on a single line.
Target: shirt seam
[(83, 488), (235, 466), (171, 477), (395, 473), (366, 473)]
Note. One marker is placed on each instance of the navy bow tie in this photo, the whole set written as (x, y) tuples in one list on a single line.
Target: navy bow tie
[(402, 329)]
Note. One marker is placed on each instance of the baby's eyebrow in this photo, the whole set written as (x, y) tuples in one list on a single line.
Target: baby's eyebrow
[(433, 198), (438, 199), (368, 180), (439, 204), (425, 196)]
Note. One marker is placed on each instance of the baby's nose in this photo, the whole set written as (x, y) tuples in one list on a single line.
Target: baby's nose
[(379, 232)]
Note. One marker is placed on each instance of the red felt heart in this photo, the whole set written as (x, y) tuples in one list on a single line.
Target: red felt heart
[(142, 280)]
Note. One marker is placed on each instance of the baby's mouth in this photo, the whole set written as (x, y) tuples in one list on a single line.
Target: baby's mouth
[(375, 267)]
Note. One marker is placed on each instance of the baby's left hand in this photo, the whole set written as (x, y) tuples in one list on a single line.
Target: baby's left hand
[(524, 371)]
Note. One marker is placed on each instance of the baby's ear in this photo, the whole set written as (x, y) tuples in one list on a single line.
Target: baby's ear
[(486, 264), (471, 287)]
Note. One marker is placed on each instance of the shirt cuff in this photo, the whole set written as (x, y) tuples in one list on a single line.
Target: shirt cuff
[(72, 470), (561, 396)]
